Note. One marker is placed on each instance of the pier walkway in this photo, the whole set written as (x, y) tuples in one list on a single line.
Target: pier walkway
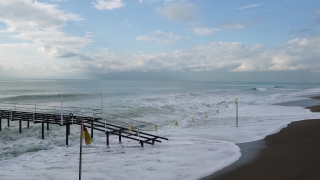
[(128, 128)]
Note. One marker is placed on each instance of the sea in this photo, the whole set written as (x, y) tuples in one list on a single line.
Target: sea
[(198, 118)]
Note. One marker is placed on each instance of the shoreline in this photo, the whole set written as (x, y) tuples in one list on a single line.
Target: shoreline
[(261, 159)]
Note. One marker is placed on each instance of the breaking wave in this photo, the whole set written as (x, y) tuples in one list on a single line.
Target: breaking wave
[(260, 89)]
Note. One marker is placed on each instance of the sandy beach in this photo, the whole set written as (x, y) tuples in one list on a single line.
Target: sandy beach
[(292, 153)]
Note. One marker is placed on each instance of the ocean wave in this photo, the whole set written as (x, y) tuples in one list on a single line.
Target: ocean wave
[(45, 97), (279, 86), (260, 89), (13, 91)]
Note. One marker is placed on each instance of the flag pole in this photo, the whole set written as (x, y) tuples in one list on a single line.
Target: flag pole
[(80, 157)]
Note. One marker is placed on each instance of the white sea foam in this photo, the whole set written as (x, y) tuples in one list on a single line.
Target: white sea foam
[(194, 150)]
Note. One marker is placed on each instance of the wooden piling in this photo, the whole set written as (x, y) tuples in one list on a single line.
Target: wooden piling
[(28, 122), (20, 124), (42, 132), (67, 134), (107, 138), (8, 121), (91, 129), (119, 137), (0, 123), (47, 126)]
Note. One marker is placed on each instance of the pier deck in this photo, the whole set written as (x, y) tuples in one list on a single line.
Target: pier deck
[(94, 123)]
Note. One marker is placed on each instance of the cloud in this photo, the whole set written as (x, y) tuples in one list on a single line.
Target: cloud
[(22, 61), (317, 13), (40, 24), (54, 37), (22, 15), (159, 37), (249, 6), (156, 1), (304, 30), (204, 31), (58, 0), (108, 4), (297, 54), (233, 25), (19, 59), (183, 12)]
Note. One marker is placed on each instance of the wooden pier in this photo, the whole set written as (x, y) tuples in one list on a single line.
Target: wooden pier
[(62, 119)]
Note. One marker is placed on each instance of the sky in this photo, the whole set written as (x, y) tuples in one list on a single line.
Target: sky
[(190, 39)]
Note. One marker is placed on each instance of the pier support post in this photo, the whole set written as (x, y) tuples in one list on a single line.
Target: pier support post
[(141, 142), (42, 132), (91, 129), (68, 128), (0, 123), (8, 121), (20, 124), (68, 125), (67, 134), (28, 124), (107, 136), (47, 126), (120, 137)]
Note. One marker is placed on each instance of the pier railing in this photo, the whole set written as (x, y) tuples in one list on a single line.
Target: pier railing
[(91, 117)]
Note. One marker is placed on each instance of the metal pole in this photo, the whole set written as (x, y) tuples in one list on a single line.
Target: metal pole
[(12, 112), (236, 112), (105, 123), (34, 114), (61, 123), (80, 156), (141, 142)]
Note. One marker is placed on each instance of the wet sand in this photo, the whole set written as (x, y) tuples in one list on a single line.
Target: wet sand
[(293, 153)]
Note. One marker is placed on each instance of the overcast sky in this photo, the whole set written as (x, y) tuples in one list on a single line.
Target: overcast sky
[(96, 38)]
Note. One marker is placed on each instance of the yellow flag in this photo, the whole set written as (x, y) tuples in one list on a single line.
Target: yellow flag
[(86, 135)]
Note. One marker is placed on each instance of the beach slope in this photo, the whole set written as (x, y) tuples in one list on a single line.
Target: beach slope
[(293, 153)]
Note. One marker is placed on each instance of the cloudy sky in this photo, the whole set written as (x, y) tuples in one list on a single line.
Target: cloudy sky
[(178, 38)]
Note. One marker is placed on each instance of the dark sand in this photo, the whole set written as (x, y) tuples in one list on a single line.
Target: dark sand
[(293, 153)]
